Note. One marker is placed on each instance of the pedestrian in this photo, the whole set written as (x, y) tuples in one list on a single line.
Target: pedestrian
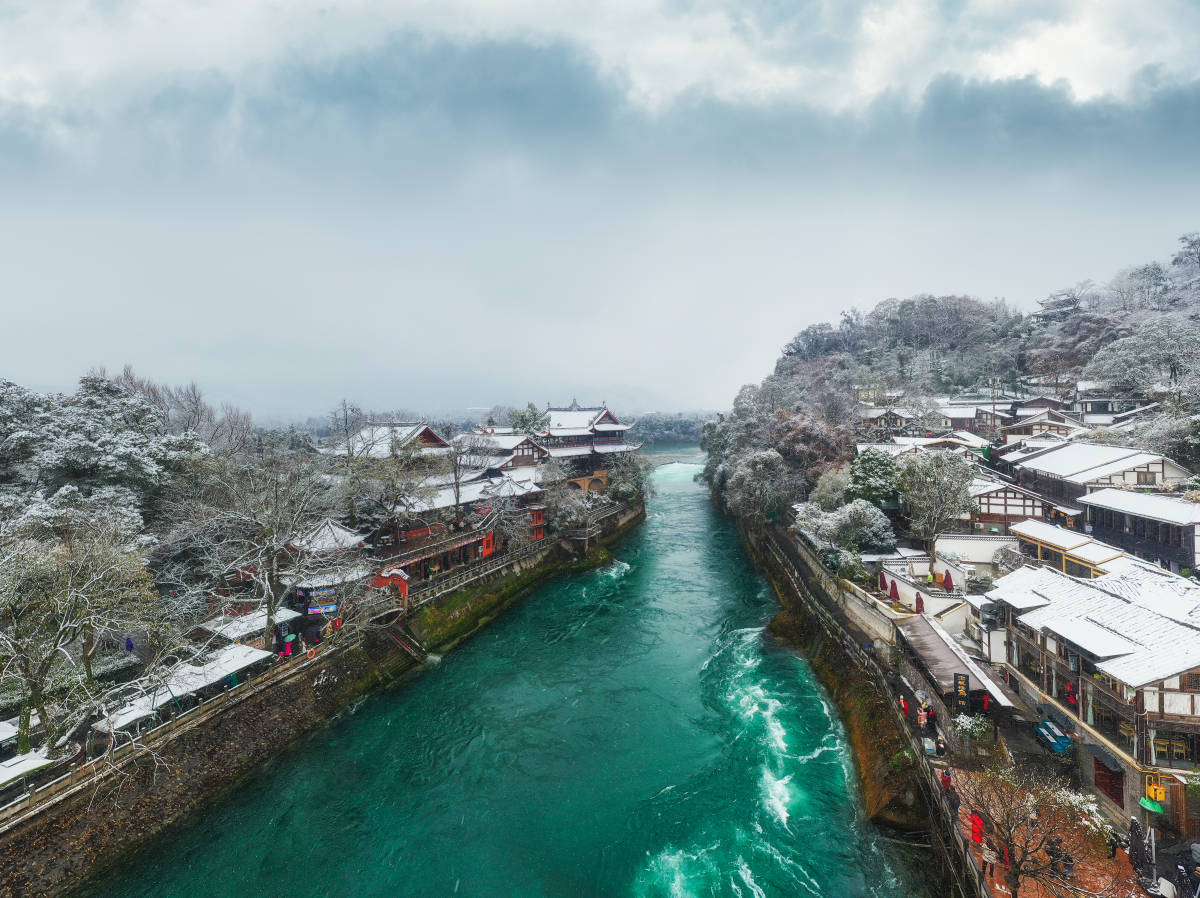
[(976, 828), (929, 711), (941, 747), (954, 800), (903, 703), (129, 643), (922, 719), (989, 858), (945, 778)]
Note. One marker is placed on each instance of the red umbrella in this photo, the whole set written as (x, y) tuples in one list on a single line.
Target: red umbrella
[(894, 593), (948, 583), (882, 581)]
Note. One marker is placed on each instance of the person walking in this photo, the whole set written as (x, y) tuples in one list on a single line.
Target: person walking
[(941, 747), (989, 858), (945, 779), (954, 800), (922, 719), (903, 703)]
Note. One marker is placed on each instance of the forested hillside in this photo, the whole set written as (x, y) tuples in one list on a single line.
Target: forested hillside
[(1138, 331)]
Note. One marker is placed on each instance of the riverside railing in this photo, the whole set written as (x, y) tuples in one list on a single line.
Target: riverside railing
[(93, 772), (85, 774)]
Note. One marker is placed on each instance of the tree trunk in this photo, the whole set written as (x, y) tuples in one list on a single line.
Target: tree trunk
[(38, 700), (23, 728), (271, 602), (89, 649)]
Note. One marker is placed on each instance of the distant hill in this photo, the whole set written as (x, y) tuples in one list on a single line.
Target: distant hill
[(1141, 328)]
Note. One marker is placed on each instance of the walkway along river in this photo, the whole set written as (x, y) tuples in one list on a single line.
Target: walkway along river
[(625, 732)]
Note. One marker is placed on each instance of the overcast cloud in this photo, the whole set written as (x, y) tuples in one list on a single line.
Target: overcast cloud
[(454, 203)]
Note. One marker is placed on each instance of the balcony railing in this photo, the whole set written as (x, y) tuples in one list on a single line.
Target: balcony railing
[(476, 531)]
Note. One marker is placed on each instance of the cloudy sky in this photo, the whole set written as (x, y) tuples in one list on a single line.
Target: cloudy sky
[(448, 204)]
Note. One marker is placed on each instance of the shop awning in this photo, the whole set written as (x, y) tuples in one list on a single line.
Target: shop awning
[(943, 658), (1105, 757)]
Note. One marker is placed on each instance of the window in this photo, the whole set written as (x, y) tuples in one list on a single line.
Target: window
[(1110, 782), (1190, 682), (1145, 478)]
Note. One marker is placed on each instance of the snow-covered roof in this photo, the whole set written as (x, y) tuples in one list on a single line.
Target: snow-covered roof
[(1037, 444), (334, 576), (892, 449), (569, 451), (376, 440), (498, 443), (236, 627), (515, 482), (22, 765), (184, 680), (1156, 506), (1084, 462), (328, 536), (576, 417), (1118, 620), (1059, 537), (610, 448), (965, 436), (1047, 416)]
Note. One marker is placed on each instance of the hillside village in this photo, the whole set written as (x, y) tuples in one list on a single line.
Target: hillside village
[(154, 562), (1027, 538)]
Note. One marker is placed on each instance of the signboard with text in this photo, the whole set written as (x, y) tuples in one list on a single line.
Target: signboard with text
[(962, 693)]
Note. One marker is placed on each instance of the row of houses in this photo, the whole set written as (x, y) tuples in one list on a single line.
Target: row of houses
[(473, 496), (1005, 416), (1112, 657)]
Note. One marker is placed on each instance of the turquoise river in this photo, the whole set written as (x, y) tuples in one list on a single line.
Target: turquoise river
[(630, 731)]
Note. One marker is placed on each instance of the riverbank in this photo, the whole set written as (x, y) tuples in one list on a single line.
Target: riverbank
[(88, 833), (881, 752), (625, 731)]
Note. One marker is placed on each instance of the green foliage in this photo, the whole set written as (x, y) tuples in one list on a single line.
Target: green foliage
[(830, 492), (873, 478)]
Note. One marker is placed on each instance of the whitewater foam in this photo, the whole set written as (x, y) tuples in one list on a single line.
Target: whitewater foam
[(776, 795)]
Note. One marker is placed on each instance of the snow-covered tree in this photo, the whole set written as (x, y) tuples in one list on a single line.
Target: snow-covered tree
[(102, 444), (872, 477), (1157, 356), (236, 522), (56, 598), (856, 527), (628, 477), (935, 487), (530, 419), (760, 486), (468, 454), (1036, 818), (830, 491)]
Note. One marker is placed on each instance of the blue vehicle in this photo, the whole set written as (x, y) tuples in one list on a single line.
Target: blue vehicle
[(1053, 738)]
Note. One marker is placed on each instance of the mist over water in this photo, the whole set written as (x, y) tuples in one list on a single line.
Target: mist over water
[(625, 732)]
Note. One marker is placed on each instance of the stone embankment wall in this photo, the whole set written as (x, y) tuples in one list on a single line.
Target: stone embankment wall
[(88, 832)]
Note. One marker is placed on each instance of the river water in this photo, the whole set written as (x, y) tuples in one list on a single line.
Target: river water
[(625, 732)]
